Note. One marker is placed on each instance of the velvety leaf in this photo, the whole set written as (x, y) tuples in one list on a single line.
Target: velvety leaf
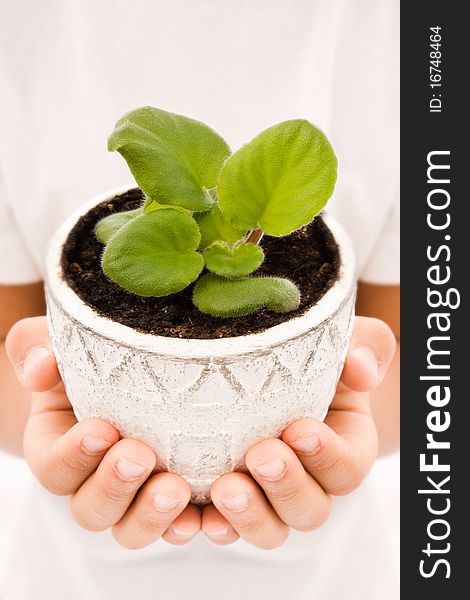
[(222, 297), (174, 159), (214, 227), (152, 206), (222, 260), (280, 180), (154, 254), (109, 225)]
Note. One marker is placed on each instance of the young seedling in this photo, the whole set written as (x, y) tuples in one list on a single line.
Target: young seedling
[(206, 208)]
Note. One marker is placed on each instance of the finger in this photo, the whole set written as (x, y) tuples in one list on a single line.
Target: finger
[(370, 352), (239, 499), (184, 527), (62, 453), (105, 496), (297, 498), (337, 453), (29, 349), (158, 503), (216, 527)]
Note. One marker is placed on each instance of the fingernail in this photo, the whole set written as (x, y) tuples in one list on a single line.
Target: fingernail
[(237, 503), (93, 445), (272, 470), (33, 360), (306, 445), (220, 533), (368, 359), (129, 470), (164, 503), (180, 533)]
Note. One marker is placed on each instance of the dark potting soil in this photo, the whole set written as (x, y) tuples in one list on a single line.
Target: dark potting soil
[(309, 257)]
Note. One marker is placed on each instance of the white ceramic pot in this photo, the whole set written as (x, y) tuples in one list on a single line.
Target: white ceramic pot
[(200, 404)]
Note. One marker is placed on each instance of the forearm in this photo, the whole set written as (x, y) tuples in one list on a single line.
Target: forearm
[(16, 302), (14, 407), (383, 302), (386, 408)]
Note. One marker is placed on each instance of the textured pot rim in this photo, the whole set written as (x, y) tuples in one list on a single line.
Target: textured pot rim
[(79, 311)]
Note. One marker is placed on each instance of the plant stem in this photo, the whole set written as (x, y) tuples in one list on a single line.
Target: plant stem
[(254, 236), (211, 194)]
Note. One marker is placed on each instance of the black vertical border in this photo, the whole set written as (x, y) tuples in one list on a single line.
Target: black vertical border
[(422, 132)]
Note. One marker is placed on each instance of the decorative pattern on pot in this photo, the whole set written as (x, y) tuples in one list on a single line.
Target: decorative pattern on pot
[(200, 415), (200, 404)]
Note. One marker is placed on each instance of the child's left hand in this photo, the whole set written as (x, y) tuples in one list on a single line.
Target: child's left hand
[(293, 479)]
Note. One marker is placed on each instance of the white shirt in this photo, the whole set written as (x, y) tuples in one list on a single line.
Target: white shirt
[(68, 71)]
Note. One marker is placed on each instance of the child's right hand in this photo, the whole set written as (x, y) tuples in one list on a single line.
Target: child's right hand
[(109, 479)]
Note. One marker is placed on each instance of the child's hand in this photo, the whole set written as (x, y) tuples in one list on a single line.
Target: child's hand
[(297, 475), (292, 479), (109, 479)]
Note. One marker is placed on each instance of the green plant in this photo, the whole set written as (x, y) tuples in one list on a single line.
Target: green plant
[(206, 207)]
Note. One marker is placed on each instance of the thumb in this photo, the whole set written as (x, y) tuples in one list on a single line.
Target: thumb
[(28, 347), (370, 352)]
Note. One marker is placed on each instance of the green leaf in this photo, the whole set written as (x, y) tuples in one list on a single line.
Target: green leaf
[(153, 206), (223, 260), (221, 297), (108, 226), (154, 254), (174, 159), (214, 227), (280, 180)]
